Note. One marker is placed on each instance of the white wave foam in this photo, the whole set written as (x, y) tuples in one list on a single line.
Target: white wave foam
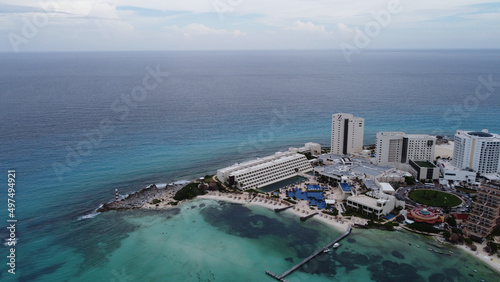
[(180, 182), (90, 215), (87, 216)]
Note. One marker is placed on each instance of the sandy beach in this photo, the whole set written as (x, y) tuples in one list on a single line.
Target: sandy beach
[(300, 209), (444, 150), (492, 261)]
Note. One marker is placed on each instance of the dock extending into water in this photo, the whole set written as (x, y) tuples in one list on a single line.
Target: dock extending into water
[(304, 218), (304, 261), (282, 209)]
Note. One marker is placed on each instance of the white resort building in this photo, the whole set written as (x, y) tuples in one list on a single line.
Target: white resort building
[(347, 134), (451, 173), (310, 147), (394, 148), (377, 203), (264, 171), (479, 151)]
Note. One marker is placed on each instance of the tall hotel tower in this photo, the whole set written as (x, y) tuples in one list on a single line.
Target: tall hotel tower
[(479, 151), (347, 134)]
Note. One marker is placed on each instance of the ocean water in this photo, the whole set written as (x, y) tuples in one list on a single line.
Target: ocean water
[(75, 126)]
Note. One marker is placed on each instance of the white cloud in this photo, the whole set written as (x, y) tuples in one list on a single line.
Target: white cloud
[(345, 30), (195, 29), (261, 23), (309, 27), (485, 16)]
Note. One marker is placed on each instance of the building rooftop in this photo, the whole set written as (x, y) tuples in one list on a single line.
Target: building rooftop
[(365, 200), (425, 164), (370, 184), (359, 166), (278, 157), (480, 134), (386, 187)]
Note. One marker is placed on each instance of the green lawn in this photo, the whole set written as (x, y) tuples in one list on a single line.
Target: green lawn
[(435, 198)]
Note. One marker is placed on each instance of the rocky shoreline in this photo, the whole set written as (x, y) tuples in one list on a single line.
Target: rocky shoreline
[(144, 198)]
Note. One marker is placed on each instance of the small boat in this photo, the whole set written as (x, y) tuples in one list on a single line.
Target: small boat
[(336, 245), (474, 270), (326, 250), (429, 249), (418, 246)]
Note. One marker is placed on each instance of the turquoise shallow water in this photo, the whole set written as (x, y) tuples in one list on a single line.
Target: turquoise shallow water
[(206, 240)]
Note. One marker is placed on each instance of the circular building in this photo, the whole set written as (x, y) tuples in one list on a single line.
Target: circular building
[(430, 216)]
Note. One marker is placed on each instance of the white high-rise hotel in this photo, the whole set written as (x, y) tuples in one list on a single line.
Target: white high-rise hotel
[(347, 134), (399, 147), (479, 151)]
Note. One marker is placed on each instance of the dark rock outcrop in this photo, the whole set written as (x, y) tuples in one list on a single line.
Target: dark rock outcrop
[(137, 199)]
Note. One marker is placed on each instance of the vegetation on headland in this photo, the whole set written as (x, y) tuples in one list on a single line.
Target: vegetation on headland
[(208, 178), (423, 227), (434, 198), (188, 192)]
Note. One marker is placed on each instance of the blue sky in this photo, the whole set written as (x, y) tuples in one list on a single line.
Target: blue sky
[(56, 25)]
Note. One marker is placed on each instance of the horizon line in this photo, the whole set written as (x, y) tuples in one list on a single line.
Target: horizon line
[(253, 50)]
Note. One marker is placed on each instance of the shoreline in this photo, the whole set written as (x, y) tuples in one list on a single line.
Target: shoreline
[(143, 198), (481, 255), (273, 203)]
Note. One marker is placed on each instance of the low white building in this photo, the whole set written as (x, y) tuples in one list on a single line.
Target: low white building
[(310, 147), (387, 188), (451, 173), (379, 203), (264, 171)]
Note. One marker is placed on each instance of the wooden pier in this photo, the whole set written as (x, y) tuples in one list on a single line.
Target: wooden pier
[(304, 218), (304, 261), (282, 209)]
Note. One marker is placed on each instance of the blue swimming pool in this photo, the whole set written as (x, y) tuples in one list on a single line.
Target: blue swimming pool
[(314, 198)]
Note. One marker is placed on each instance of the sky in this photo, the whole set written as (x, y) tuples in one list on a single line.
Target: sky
[(126, 25)]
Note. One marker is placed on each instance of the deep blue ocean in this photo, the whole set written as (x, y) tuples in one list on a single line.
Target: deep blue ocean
[(75, 126)]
